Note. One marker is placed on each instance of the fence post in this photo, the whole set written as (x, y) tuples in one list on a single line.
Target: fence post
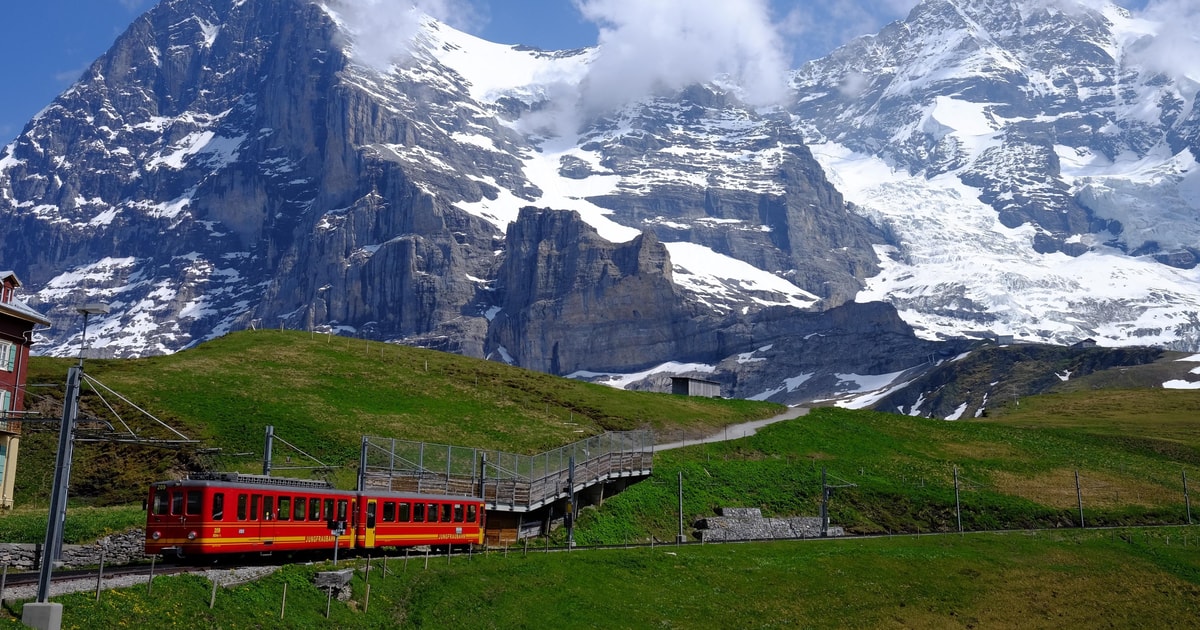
[(3, 579), (283, 604), (1079, 498), (100, 574), (212, 601), (1187, 502), (957, 504), (150, 580), (679, 538)]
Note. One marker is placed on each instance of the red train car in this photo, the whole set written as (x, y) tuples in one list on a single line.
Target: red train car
[(231, 513)]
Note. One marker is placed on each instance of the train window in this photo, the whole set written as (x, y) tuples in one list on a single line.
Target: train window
[(341, 513), (371, 507), (219, 506), (177, 502), (285, 508), (389, 512), (268, 508), (458, 513), (471, 514), (328, 513), (161, 501), (194, 500), (314, 509), (418, 513), (298, 509), (405, 513), (241, 507), (446, 507), (254, 500)]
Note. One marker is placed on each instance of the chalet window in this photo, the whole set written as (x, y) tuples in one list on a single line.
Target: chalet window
[(6, 405), (8, 356)]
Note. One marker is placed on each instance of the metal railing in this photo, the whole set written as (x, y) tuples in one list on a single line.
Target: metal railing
[(506, 481)]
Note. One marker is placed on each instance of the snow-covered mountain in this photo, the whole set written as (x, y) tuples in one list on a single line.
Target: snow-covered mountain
[(231, 163), (1035, 163)]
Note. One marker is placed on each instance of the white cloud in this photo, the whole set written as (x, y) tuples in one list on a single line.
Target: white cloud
[(383, 29), (1175, 50), (646, 47)]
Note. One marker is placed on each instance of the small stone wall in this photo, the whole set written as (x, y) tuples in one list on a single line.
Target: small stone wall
[(124, 548), (749, 524)]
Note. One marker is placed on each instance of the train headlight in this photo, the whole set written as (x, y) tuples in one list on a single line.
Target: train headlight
[(156, 535), (192, 535)]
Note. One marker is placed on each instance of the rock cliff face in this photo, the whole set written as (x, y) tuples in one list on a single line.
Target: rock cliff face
[(231, 163), (574, 301)]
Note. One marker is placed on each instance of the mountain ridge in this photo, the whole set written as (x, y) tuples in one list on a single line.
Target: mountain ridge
[(268, 169)]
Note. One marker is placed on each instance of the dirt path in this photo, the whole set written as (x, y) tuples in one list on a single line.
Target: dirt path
[(736, 431)]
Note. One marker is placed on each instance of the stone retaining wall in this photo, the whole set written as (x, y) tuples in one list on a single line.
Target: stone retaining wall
[(749, 524), (124, 548)]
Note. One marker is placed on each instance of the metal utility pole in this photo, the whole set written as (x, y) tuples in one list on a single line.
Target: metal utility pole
[(44, 614), (1079, 499), (679, 539), (52, 547), (1187, 502), (571, 503), (826, 492), (957, 505), (267, 444)]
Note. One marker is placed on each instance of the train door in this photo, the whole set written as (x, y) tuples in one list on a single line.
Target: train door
[(369, 525), (267, 528)]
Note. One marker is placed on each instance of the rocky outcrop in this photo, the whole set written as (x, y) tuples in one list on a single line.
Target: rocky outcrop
[(573, 301)]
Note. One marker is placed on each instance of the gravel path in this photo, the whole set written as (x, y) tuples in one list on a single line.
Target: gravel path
[(225, 577), (736, 431)]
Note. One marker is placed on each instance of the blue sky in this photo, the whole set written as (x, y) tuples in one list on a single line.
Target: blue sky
[(47, 44)]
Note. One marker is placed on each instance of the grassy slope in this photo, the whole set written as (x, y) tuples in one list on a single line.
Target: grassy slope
[(1058, 579), (323, 394), (1017, 470), (1011, 476)]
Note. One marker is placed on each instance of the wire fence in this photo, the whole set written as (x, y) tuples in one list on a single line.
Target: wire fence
[(865, 500)]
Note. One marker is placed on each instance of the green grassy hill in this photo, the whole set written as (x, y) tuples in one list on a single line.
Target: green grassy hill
[(1065, 579), (1016, 470), (322, 394)]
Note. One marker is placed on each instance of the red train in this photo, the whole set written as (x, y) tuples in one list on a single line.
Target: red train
[(231, 513)]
